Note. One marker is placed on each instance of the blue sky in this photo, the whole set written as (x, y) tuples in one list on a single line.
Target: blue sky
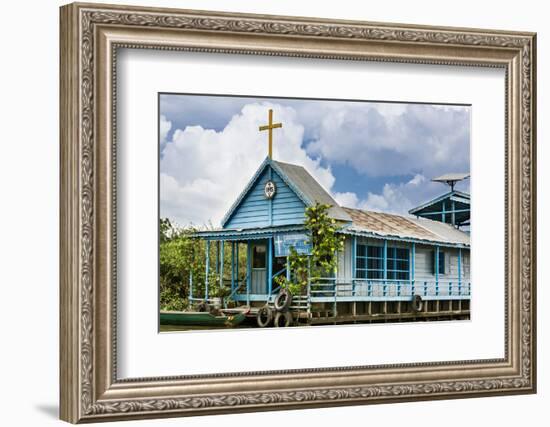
[(369, 155)]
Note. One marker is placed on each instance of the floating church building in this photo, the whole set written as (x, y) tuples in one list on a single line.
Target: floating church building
[(392, 267)]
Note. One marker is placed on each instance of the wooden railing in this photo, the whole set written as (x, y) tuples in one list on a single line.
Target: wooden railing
[(380, 289)]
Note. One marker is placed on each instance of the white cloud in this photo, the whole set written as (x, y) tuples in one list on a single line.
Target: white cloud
[(376, 142), (164, 128), (203, 171), (347, 199), (400, 198), (394, 198)]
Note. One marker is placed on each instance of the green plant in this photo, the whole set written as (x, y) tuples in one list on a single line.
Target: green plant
[(325, 242), (182, 259)]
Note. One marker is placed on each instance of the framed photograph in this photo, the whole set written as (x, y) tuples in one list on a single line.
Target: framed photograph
[(267, 212)]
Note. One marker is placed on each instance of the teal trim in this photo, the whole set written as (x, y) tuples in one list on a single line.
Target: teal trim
[(222, 256), (217, 257), (237, 256), (453, 212), (269, 265), (244, 192), (464, 197), (437, 267), (385, 266), (248, 271), (372, 235), (270, 201), (207, 269), (232, 266), (256, 211), (243, 235), (443, 212), (354, 257), (361, 298), (252, 183), (413, 256), (459, 268), (385, 259), (375, 261)]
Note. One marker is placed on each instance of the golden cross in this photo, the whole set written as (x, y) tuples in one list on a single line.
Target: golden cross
[(270, 126)]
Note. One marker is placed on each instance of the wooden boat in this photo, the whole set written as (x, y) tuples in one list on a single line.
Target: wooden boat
[(197, 318)]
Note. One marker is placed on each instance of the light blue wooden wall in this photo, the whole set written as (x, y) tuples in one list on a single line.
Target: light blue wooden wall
[(257, 211)]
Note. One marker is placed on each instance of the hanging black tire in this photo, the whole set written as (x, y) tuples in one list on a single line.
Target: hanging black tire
[(282, 319), (283, 300), (264, 316), (417, 304), (203, 307)]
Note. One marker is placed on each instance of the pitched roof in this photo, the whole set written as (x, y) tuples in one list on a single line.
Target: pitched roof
[(455, 195), (368, 222), (301, 182), (310, 188), (398, 226)]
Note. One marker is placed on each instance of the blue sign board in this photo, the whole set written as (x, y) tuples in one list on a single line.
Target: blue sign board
[(284, 241)]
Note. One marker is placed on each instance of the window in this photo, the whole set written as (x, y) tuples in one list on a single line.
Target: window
[(258, 256), (398, 264), (441, 266), (370, 263)]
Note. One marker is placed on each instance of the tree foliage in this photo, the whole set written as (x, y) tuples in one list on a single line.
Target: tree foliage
[(182, 256), (325, 241)]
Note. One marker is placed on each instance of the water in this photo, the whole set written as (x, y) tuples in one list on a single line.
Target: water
[(179, 328)]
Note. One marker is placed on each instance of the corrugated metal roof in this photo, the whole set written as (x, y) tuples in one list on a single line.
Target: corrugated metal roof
[(311, 189), (391, 225), (443, 230), (369, 222)]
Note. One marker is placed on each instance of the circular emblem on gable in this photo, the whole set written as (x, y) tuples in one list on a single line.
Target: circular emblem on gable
[(270, 189)]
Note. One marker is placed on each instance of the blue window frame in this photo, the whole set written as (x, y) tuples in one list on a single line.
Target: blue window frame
[(370, 263), (398, 264), (441, 266)]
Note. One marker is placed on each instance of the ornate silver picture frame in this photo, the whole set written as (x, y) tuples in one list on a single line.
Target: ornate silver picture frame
[(91, 390)]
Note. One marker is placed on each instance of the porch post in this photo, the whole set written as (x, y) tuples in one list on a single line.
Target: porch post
[(308, 282), (437, 270), (270, 265), (353, 258), (232, 266), (353, 264), (207, 269), (385, 256), (459, 270), (221, 262), (443, 212), (217, 256), (411, 274), (237, 262), (248, 271), (453, 218)]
